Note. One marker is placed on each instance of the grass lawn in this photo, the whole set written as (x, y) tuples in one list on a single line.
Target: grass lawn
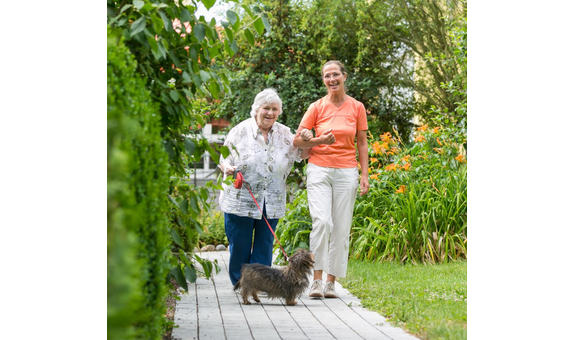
[(429, 301)]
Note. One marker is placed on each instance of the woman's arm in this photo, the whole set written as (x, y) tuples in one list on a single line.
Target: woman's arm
[(226, 163), (326, 138), (306, 135), (363, 160)]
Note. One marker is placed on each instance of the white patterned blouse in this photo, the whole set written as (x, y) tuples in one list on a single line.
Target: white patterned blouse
[(265, 166)]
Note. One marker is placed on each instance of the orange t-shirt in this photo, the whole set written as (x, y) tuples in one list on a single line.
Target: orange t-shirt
[(345, 121)]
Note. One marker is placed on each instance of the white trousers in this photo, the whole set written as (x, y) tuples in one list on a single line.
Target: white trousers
[(331, 197)]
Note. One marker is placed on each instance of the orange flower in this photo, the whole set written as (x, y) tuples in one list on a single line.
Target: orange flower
[(393, 151), (406, 158), (373, 160), (436, 129), (374, 176), (402, 189), (461, 159), (439, 150), (386, 137), (438, 142), (406, 166), (422, 128), (419, 138), (377, 149), (390, 167)]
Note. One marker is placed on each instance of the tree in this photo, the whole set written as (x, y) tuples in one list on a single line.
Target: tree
[(425, 29)]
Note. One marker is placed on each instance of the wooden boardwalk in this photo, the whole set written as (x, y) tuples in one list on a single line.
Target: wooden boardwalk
[(212, 310)]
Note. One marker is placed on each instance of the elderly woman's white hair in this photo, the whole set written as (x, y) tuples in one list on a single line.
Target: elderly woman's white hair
[(267, 96)]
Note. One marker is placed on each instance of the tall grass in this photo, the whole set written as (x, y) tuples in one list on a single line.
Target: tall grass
[(416, 210)]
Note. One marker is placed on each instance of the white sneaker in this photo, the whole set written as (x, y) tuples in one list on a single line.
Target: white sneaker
[(316, 288), (329, 291)]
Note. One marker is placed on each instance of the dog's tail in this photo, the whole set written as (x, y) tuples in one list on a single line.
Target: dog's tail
[(237, 286)]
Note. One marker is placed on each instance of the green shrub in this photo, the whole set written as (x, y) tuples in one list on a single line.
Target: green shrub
[(137, 187), (293, 229), (214, 230)]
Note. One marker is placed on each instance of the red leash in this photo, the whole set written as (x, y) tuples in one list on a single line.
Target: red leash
[(238, 184)]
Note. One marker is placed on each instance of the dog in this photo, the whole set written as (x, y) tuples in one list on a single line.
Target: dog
[(287, 282)]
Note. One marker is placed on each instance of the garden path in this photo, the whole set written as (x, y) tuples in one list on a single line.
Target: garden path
[(212, 310)]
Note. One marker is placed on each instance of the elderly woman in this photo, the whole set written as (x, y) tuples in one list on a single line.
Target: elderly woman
[(262, 150)]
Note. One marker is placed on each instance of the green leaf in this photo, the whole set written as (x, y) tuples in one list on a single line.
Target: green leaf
[(157, 24), (259, 25), (190, 146), (176, 237), (208, 3), (167, 23), (225, 151), (172, 200), (187, 92), (228, 49), (200, 31), (248, 10), (234, 47), (138, 26), (249, 36), (174, 95), (207, 265), (234, 19), (139, 4), (190, 273), (266, 23), (180, 279), (214, 88), (186, 80), (230, 34), (184, 206), (205, 76), (185, 16)]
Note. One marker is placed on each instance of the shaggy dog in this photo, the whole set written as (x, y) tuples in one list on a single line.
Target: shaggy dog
[(288, 282)]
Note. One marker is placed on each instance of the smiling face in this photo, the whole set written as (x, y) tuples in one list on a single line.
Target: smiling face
[(267, 115), (334, 79)]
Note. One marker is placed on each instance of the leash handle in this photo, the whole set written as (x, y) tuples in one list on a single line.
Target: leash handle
[(238, 184)]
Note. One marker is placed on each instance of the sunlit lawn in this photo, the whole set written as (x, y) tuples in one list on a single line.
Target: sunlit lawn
[(429, 301)]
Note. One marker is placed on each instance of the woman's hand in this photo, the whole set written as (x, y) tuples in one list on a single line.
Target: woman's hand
[(228, 169), (364, 185), (306, 135), (327, 137)]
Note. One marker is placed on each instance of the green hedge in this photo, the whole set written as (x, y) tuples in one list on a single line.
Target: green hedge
[(138, 181)]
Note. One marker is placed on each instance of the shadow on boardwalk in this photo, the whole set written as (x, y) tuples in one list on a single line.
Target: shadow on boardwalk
[(212, 310)]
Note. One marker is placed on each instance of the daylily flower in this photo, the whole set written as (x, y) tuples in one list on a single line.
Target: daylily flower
[(373, 160), (461, 159), (390, 167), (419, 138), (436, 129), (406, 166), (406, 158), (422, 128), (374, 176), (402, 189), (438, 150)]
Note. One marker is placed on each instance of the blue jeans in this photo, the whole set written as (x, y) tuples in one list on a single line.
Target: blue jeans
[(251, 241)]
